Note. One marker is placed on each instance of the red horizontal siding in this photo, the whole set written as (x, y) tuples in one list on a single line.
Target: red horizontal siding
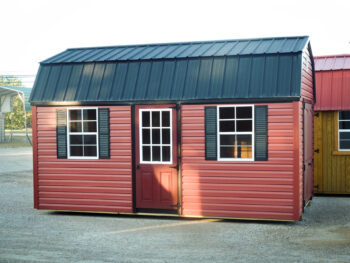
[(259, 189), (103, 185)]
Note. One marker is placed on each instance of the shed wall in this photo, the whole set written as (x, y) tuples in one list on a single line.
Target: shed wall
[(307, 88), (259, 189), (83, 185)]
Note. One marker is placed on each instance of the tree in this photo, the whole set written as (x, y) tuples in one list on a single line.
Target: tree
[(18, 111)]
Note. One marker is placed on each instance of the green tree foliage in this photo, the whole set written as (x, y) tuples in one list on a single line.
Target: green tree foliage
[(18, 111)]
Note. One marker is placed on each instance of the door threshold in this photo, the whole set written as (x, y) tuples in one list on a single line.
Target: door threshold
[(156, 211)]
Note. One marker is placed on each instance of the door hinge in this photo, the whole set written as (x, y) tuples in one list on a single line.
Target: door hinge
[(304, 167), (317, 151), (176, 205), (317, 114), (174, 167), (316, 187)]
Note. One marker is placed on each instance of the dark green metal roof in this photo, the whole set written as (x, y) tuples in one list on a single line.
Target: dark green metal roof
[(248, 68)]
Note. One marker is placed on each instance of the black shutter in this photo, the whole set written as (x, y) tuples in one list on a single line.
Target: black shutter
[(103, 133), (210, 133), (61, 133), (261, 133)]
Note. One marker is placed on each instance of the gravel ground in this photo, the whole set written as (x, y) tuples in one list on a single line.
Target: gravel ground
[(28, 235)]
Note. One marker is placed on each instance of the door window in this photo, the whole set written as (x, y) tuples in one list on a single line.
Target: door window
[(155, 136)]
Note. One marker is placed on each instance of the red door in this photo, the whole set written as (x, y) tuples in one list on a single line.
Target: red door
[(308, 152), (156, 157)]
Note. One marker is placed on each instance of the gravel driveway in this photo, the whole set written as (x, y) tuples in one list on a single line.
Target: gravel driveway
[(28, 235)]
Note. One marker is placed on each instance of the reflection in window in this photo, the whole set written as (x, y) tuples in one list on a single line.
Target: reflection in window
[(235, 132)]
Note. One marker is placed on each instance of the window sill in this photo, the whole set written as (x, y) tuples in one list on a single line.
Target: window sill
[(341, 153)]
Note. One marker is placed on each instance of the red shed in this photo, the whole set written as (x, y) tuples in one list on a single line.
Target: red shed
[(332, 125), (202, 129)]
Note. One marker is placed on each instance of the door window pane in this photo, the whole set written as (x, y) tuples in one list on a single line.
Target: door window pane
[(166, 153), (145, 119), (155, 136), (156, 153), (155, 118), (165, 136), (345, 125), (166, 119), (344, 115), (146, 153), (146, 138)]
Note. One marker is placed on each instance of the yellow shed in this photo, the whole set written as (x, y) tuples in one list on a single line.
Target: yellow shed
[(332, 125)]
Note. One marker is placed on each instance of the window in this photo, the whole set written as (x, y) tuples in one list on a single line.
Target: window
[(235, 132), (344, 130), (155, 136), (82, 133)]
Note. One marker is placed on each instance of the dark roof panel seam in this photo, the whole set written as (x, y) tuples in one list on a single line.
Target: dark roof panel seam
[(224, 79), (102, 80), (113, 81), (78, 84), (56, 83), (148, 79), (160, 79), (137, 80), (68, 81), (278, 76)]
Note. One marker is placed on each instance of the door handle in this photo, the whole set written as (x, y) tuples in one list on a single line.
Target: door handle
[(137, 166), (174, 167), (310, 164)]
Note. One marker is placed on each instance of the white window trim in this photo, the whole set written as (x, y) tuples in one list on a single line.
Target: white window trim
[(223, 133), (82, 133), (341, 130), (160, 126)]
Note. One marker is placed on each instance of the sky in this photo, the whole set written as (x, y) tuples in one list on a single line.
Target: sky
[(33, 30)]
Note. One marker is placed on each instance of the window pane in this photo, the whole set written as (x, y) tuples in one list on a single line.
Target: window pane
[(344, 135), (244, 152), (344, 115), (344, 144), (244, 112), (156, 153), (227, 139), (155, 136), (90, 139), (166, 153), (75, 115), (344, 125), (244, 126), (155, 119), (145, 119), (89, 114), (227, 126), (76, 139), (76, 150), (166, 136), (227, 152), (244, 140), (146, 152), (75, 126), (227, 113), (90, 126), (166, 119), (146, 136), (90, 151)]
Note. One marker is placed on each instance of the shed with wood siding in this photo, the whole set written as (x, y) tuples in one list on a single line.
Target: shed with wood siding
[(209, 129), (332, 125)]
